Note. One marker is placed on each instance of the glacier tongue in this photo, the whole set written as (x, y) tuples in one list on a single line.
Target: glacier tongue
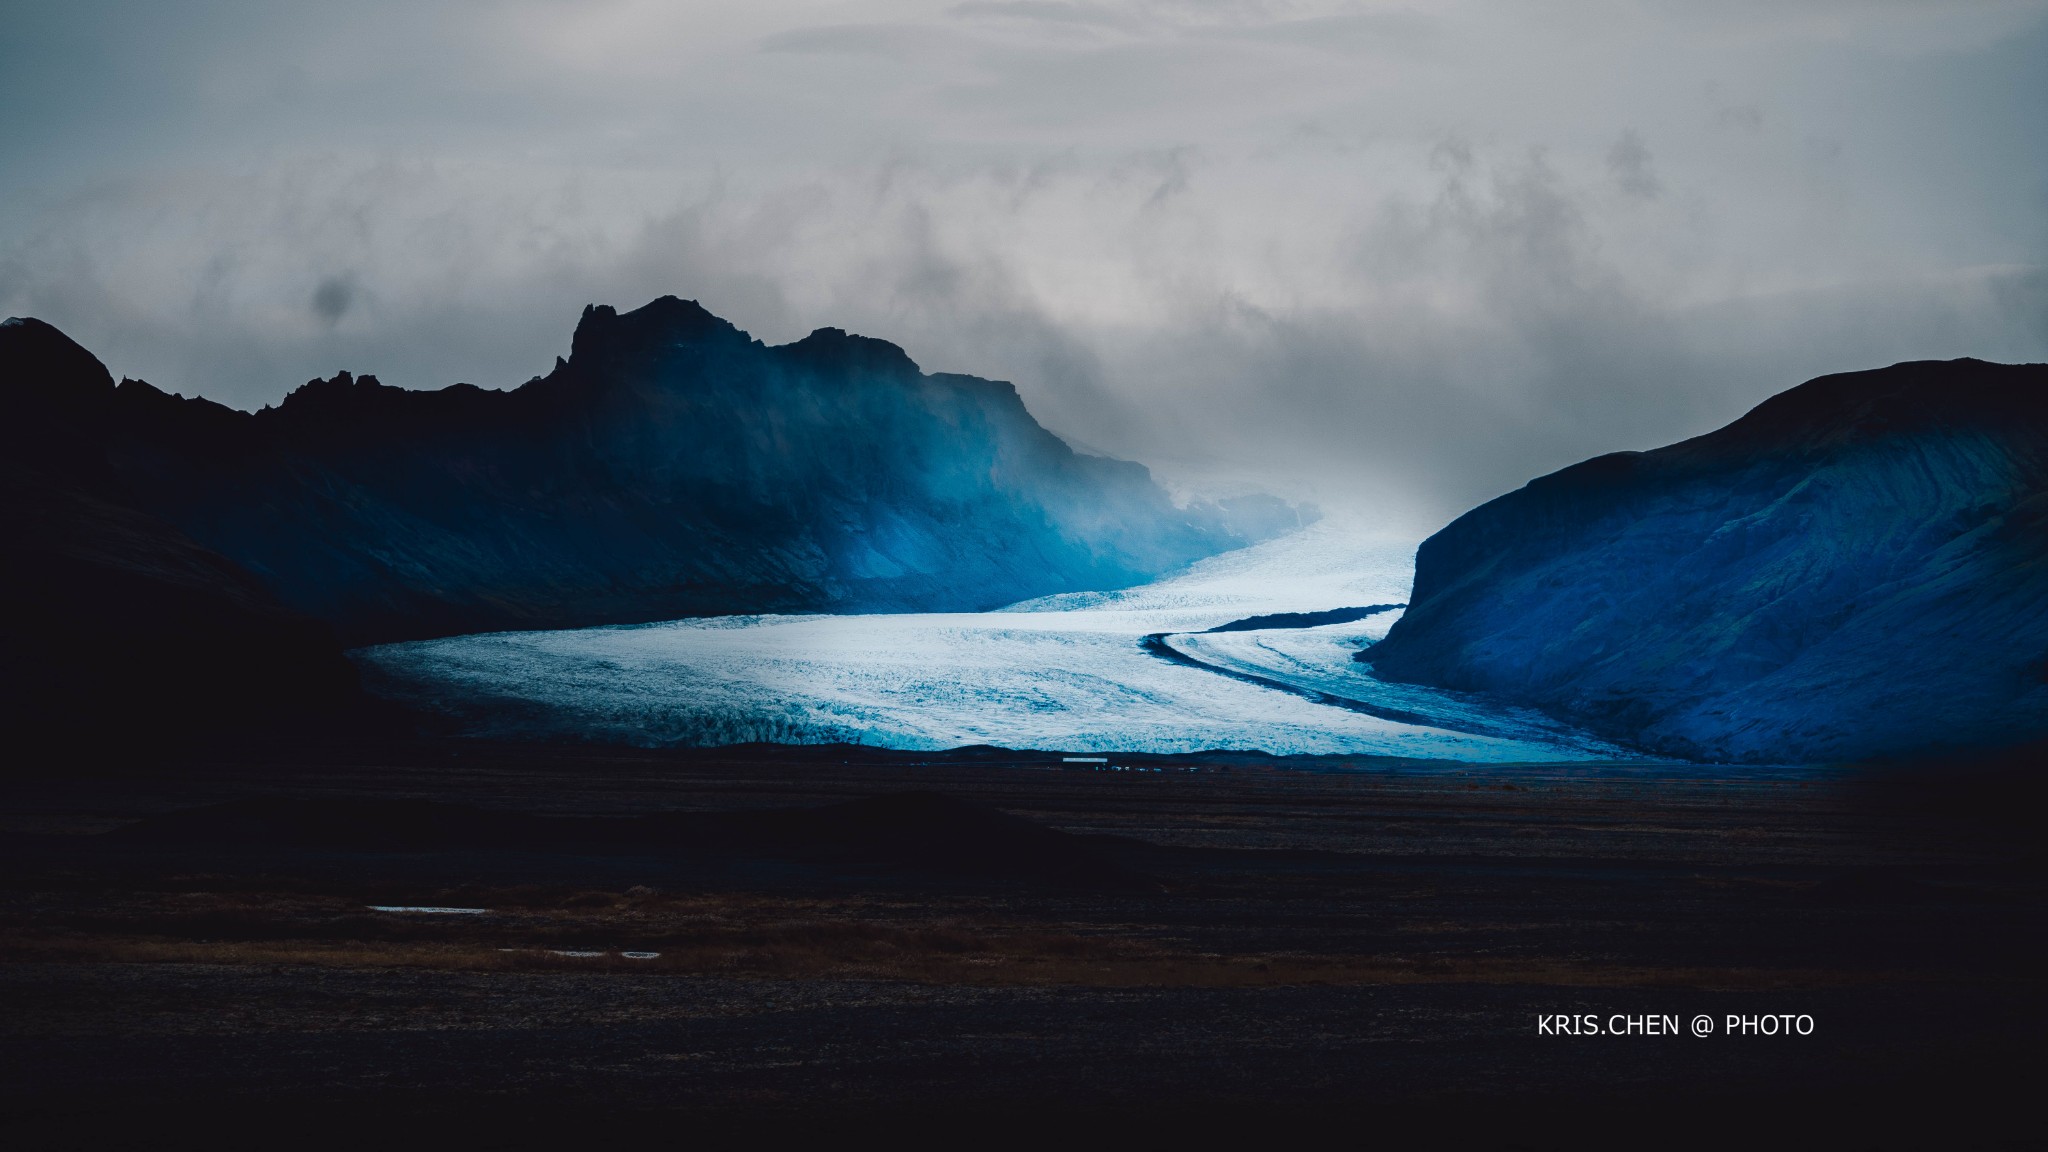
[(1063, 672)]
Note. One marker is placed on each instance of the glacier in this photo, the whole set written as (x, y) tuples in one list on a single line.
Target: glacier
[(1069, 672)]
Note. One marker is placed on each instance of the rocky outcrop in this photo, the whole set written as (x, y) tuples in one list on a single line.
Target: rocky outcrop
[(1856, 568), (670, 466)]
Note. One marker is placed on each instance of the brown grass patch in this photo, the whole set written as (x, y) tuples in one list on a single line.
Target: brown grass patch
[(751, 936)]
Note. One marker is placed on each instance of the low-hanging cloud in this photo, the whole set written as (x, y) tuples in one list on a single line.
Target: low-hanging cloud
[(1389, 259), (332, 299)]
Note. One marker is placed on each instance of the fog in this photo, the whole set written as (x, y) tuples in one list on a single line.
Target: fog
[(1396, 259)]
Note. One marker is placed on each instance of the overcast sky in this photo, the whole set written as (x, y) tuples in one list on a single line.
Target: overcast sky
[(1396, 257)]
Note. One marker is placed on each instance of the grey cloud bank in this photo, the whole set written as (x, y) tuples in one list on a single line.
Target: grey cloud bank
[(1395, 258)]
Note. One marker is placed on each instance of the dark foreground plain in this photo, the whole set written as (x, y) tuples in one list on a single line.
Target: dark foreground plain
[(982, 948)]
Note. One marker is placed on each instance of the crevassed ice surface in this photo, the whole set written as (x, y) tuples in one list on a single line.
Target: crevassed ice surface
[(1062, 672)]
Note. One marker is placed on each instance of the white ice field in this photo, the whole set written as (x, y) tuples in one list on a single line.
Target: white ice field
[(1065, 672)]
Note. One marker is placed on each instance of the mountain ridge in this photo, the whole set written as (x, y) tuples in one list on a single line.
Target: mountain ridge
[(1856, 567), (671, 465)]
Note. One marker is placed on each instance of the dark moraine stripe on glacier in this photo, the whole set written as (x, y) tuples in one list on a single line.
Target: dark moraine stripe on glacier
[(1304, 619), (1158, 644), (1856, 568)]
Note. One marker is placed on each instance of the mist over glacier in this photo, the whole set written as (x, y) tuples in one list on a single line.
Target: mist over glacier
[(1359, 252), (1066, 672)]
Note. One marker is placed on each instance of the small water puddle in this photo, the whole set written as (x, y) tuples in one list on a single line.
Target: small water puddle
[(583, 954)]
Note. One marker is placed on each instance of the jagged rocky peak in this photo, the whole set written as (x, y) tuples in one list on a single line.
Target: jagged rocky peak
[(664, 323), (831, 350), (1858, 567), (341, 390), (668, 332)]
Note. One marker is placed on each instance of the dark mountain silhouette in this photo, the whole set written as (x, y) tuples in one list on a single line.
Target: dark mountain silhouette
[(1858, 567), (671, 466), (120, 631)]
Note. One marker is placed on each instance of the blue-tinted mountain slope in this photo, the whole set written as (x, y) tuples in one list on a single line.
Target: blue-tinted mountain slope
[(1858, 567)]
